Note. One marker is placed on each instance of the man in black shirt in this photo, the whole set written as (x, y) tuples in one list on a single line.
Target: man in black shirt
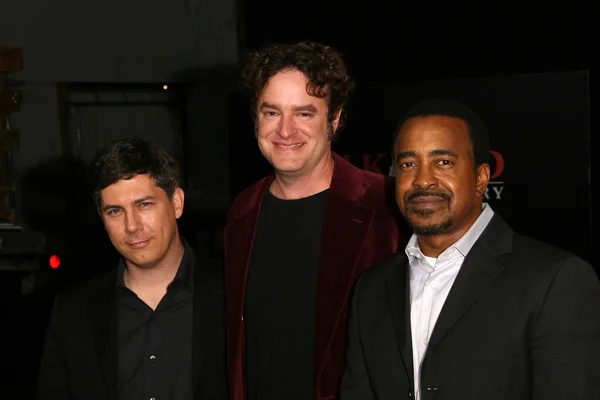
[(296, 240), (152, 328)]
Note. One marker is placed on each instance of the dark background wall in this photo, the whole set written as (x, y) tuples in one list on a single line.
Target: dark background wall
[(505, 59)]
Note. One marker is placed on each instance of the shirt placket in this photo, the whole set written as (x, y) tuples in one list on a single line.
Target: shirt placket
[(150, 358), (425, 314)]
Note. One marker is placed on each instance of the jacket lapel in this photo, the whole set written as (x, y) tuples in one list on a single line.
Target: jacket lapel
[(480, 268), (345, 229), (398, 291), (237, 259), (104, 325), (239, 240)]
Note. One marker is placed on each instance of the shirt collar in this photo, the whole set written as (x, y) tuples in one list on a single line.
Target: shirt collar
[(464, 244)]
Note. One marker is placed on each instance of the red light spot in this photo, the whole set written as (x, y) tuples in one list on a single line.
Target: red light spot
[(54, 262)]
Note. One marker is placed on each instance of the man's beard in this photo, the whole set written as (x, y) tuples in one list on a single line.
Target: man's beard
[(430, 229)]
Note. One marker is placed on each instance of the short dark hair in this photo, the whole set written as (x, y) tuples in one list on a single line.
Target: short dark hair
[(126, 158), (478, 133), (323, 67)]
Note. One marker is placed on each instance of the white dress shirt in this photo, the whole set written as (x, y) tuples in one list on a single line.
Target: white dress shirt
[(430, 283)]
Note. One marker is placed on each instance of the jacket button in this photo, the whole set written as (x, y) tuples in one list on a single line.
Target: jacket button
[(432, 389)]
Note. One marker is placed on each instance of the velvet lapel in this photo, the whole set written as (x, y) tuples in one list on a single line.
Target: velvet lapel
[(398, 291), (480, 268), (344, 231), (239, 240), (103, 314)]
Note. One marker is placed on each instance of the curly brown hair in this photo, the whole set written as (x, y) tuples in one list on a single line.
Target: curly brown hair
[(323, 66)]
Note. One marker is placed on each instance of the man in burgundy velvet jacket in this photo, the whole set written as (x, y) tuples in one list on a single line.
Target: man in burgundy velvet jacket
[(296, 240)]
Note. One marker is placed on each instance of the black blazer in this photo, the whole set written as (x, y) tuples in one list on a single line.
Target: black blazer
[(522, 321), (79, 361)]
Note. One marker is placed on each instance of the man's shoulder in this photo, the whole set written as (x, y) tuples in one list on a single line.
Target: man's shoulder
[(373, 178), (512, 247), (210, 272), (527, 259), (543, 256), (82, 293), (247, 199), (527, 245), (378, 273), (381, 187), (376, 178), (537, 268), (374, 188)]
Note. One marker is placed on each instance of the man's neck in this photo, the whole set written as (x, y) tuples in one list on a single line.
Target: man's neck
[(434, 245), (298, 187)]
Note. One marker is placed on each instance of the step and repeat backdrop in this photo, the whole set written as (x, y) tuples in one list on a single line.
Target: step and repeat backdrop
[(540, 146)]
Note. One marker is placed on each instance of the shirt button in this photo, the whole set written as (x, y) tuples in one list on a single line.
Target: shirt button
[(152, 358), (425, 341)]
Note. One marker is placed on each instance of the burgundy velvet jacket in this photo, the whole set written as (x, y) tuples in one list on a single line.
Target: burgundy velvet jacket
[(361, 229)]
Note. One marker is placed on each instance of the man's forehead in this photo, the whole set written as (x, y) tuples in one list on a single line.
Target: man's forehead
[(296, 78), (438, 127), (137, 186), (434, 120)]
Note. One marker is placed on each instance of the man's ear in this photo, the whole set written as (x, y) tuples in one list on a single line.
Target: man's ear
[(483, 179), (336, 121), (178, 200)]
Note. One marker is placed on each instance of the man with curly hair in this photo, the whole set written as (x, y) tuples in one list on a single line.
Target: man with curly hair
[(296, 240)]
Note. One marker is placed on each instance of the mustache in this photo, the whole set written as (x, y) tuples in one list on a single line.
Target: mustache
[(409, 197)]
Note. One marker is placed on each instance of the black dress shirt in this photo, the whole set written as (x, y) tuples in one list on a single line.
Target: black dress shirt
[(155, 347)]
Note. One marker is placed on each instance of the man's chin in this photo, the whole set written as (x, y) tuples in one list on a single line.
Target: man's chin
[(430, 229), (287, 168), (140, 260)]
